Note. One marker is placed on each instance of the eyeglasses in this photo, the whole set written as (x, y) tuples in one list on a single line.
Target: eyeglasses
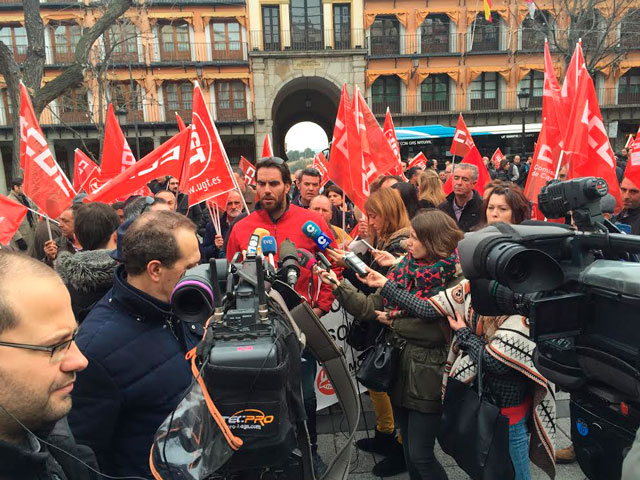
[(57, 351), (276, 160)]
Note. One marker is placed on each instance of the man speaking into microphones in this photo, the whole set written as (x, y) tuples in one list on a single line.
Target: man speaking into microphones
[(284, 221)]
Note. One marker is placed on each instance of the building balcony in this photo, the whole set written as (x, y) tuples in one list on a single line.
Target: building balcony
[(414, 44), (310, 40)]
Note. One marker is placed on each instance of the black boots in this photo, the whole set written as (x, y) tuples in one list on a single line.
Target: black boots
[(385, 444)]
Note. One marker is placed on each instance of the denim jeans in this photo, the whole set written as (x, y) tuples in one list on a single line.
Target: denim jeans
[(418, 441), (308, 374), (519, 449)]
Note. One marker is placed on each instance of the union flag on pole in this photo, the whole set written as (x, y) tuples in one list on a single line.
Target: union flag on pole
[(267, 149), (116, 153), (207, 172), (630, 142), (181, 125), (345, 160), (44, 181), (167, 159), (418, 161), (496, 158), (249, 170), (11, 216), (321, 164), (389, 131), (83, 169), (462, 142), (632, 172), (474, 158), (487, 10)]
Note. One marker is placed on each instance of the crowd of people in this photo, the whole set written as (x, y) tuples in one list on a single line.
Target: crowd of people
[(97, 362)]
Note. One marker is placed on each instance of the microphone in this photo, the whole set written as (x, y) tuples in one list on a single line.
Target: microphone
[(254, 248), (289, 261), (269, 248), (306, 259), (322, 240), (311, 230)]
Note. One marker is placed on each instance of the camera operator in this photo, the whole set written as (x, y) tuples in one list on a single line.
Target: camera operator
[(284, 220), (631, 200), (135, 345), (38, 365)]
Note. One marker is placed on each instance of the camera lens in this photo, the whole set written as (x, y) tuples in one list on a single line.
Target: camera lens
[(192, 298)]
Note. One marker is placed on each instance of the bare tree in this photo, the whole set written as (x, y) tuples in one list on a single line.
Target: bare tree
[(33, 68), (607, 28)]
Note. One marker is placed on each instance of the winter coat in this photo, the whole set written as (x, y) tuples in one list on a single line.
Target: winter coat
[(88, 275), (631, 217), (208, 248), (27, 228), (137, 375), (19, 462), (288, 226), (471, 212)]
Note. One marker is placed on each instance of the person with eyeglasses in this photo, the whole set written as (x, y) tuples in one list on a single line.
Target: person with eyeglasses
[(136, 346), (39, 361)]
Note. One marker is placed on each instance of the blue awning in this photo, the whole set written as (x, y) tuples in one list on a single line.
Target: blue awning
[(440, 131)]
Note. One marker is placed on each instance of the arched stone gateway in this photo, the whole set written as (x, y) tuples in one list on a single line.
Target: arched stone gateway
[(289, 89)]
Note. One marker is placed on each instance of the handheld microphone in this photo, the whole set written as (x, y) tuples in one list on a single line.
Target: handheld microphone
[(255, 248), (323, 261), (306, 259), (289, 261), (269, 248), (322, 240), (261, 232), (354, 263)]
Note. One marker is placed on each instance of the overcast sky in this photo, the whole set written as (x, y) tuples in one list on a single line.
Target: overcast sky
[(306, 134)]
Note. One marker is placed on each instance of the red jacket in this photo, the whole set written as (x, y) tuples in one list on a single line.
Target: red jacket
[(288, 226)]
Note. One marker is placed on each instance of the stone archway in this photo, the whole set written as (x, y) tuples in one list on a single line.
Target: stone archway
[(313, 99)]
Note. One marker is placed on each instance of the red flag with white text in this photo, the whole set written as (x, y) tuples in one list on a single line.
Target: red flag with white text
[(267, 149), (389, 131), (44, 181), (630, 142), (345, 159), (83, 168), (572, 78), (462, 142), (207, 172), (116, 153), (418, 161), (321, 164), (474, 158), (632, 172), (496, 158), (167, 159), (249, 170), (549, 145), (587, 148), (11, 216)]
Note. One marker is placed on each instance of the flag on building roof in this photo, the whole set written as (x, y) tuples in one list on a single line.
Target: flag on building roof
[(487, 10)]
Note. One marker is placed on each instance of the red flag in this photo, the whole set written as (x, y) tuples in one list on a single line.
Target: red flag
[(630, 142), (345, 165), (389, 131), (572, 77), (321, 164), (249, 170), (419, 161), (167, 159), (462, 142), (181, 125), (267, 150), (496, 158), (83, 168), (382, 156), (44, 181), (549, 145), (474, 158), (587, 148), (11, 216), (632, 172), (207, 172), (116, 154)]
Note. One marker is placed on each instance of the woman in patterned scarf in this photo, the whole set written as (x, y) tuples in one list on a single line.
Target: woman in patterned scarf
[(430, 265)]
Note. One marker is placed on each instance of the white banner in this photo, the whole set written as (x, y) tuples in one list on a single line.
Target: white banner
[(337, 323)]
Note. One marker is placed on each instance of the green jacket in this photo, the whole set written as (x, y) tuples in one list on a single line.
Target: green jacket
[(423, 351)]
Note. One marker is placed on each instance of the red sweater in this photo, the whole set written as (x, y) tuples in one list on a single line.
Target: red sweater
[(288, 226)]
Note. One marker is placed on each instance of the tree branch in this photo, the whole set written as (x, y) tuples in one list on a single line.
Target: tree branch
[(34, 63)]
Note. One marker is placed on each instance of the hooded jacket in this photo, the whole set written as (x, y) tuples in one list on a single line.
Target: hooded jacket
[(137, 374), (88, 276), (22, 462)]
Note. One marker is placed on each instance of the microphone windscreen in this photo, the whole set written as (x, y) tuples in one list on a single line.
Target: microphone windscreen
[(311, 230), (269, 245)]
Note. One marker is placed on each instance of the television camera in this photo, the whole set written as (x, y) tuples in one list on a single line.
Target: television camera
[(580, 289)]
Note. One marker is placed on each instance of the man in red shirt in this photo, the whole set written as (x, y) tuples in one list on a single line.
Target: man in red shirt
[(284, 221)]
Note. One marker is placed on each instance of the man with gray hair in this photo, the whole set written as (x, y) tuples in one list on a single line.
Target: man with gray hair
[(464, 204)]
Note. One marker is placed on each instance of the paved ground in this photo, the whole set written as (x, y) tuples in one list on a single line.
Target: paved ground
[(328, 442)]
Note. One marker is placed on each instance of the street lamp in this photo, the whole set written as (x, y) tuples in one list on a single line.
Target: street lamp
[(524, 97)]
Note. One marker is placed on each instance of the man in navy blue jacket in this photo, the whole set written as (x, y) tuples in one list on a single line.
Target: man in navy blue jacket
[(136, 347)]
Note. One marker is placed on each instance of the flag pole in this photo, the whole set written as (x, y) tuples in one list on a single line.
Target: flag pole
[(49, 228), (344, 217)]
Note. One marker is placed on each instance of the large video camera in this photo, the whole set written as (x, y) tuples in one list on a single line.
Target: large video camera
[(580, 290)]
